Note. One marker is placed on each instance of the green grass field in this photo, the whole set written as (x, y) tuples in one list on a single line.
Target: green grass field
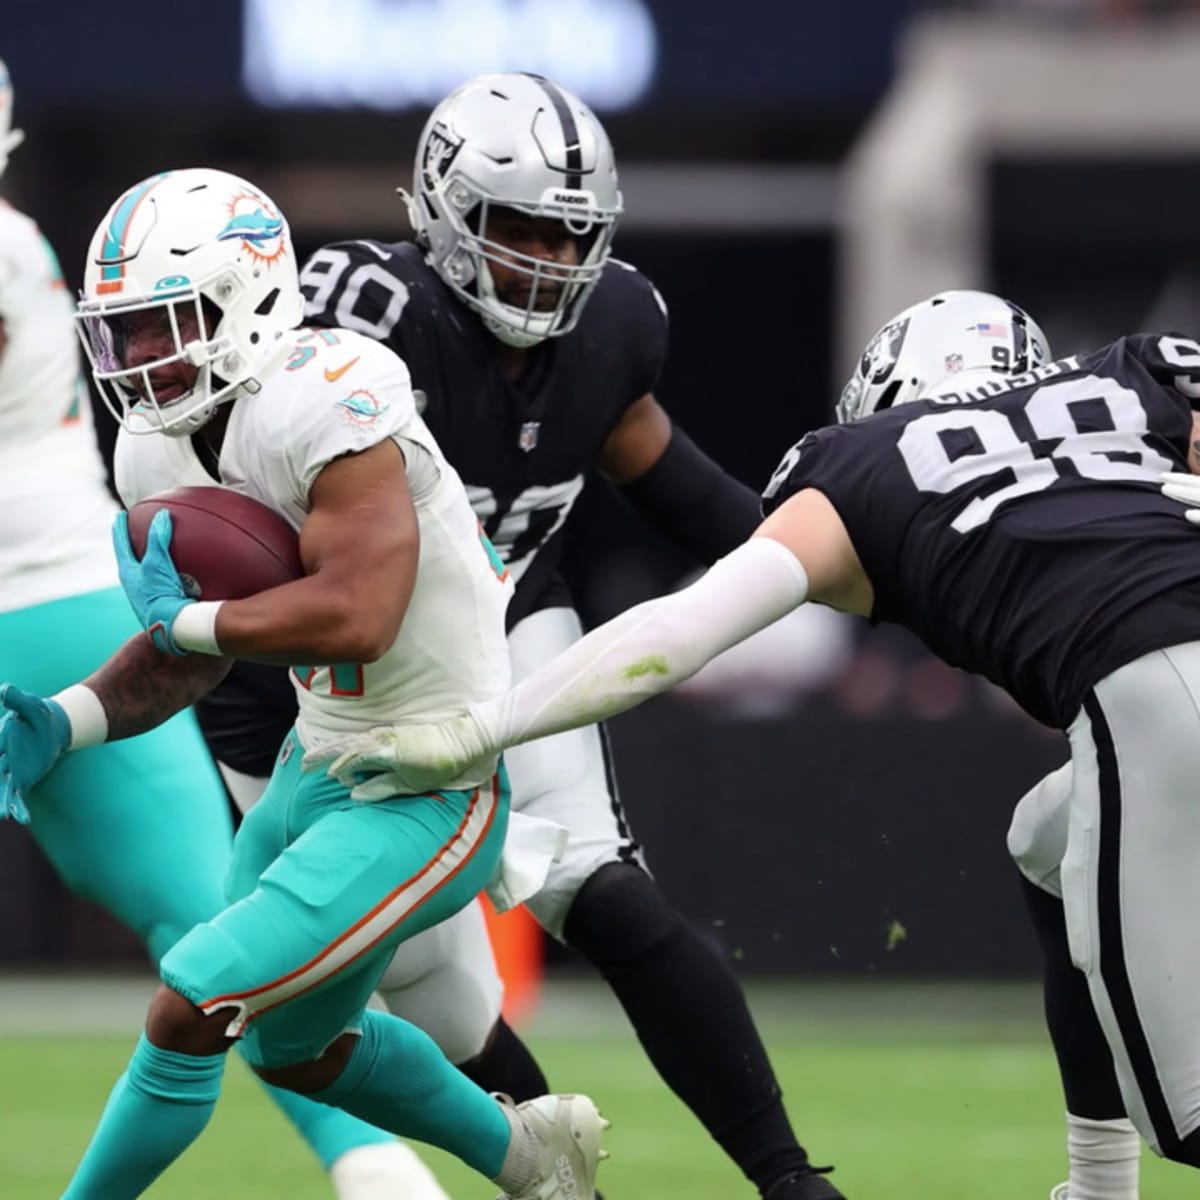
[(917, 1092)]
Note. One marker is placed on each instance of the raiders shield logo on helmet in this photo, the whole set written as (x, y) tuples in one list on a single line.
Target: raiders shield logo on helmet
[(441, 148)]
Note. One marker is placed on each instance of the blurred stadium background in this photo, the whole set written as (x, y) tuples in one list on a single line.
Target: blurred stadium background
[(794, 173)]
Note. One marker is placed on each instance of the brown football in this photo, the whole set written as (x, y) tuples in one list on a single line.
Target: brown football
[(225, 545)]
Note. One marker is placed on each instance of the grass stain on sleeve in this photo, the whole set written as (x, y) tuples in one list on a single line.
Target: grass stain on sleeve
[(652, 664)]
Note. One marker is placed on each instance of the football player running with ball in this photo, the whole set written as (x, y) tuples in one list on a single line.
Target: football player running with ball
[(155, 797), (535, 355), (190, 316), (1016, 524)]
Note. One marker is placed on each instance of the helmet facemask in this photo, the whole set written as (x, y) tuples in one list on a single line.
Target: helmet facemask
[(194, 325), (466, 269)]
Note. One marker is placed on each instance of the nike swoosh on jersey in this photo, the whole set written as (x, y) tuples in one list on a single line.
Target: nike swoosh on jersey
[(334, 376)]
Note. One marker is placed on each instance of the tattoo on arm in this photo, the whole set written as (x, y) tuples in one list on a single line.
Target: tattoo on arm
[(140, 687)]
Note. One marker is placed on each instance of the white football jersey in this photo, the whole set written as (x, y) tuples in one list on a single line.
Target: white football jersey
[(55, 511), (340, 392)]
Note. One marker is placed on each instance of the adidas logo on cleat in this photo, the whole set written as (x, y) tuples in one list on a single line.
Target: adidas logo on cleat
[(566, 1178)]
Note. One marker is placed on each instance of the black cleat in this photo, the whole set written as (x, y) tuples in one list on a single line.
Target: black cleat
[(806, 1185)]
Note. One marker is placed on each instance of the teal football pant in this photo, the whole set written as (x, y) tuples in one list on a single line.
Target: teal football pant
[(140, 826), (322, 891)]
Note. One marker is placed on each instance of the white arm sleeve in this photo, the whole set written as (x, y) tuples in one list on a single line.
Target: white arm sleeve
[(650, 648)]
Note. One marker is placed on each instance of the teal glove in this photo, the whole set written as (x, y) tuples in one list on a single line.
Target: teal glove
[(33, 736), (152, 584)]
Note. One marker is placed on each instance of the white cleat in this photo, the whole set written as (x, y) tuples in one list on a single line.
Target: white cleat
[(1058, 1192), (384, 1171), (563, 1146)]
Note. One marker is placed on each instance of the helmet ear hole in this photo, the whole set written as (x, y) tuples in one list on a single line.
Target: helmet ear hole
[(267, 303)]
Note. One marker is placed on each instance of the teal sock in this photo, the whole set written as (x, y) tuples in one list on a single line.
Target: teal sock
[(156, 1110), (328, 1131), (399, 1080)]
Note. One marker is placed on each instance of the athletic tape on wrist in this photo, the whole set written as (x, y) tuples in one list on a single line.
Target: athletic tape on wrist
[(85, 715), (195, 628)]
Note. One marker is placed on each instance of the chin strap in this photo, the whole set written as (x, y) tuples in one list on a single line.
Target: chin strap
[(517, 338)]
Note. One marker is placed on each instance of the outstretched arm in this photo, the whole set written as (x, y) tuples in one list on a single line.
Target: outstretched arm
[(801, 552)]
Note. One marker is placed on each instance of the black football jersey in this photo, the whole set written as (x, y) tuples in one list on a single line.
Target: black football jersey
[(1017, 526), (521, 448)]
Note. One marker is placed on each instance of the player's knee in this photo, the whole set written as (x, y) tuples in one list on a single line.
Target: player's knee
[(175, 1023), (458, 1008), (1037, 835), (620, 915), (314, 1075)]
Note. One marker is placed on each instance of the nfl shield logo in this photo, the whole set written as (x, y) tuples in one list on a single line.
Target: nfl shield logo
[(954, 362), (529, 435)]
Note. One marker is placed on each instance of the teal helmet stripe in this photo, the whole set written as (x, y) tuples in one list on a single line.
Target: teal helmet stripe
[(114, 237)]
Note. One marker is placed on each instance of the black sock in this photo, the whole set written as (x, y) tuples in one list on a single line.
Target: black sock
[(506, 1065), (690, 1015), (1085, 1062)]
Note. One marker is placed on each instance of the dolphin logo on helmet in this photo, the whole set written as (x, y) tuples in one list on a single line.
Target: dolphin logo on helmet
[(253, 227)]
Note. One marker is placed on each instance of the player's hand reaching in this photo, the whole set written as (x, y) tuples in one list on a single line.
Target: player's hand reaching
[(34, 733), (152, 584), (402, 759)]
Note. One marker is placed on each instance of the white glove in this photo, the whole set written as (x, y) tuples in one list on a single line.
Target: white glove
[(403, 759), (1184, 487)]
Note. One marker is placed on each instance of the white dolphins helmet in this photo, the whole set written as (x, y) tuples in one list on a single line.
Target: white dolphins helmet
[(947, 335), (10, 138), (194, 243), (514, 141)]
